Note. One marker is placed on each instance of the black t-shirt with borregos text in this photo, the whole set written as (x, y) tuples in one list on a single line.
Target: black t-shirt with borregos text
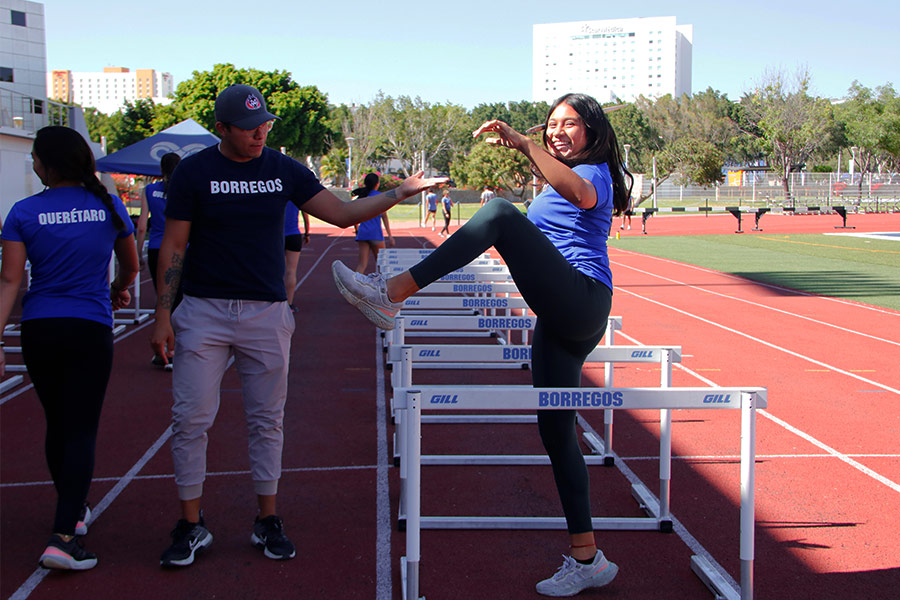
[(236, 211)]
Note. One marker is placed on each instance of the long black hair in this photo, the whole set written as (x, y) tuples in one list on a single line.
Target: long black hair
[(369, 182), (64, 153), (167, 165), (601, 147)]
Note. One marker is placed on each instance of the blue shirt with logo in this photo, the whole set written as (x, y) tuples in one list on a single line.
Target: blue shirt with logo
[(156, 202), (580, 235), (69, 237), (236, 211)]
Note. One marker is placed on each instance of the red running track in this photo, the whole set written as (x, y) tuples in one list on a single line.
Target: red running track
[(827, 473)]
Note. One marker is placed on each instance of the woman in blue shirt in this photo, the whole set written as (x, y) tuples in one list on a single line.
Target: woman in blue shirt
[(558, 259), (369, 235), (68, 232)]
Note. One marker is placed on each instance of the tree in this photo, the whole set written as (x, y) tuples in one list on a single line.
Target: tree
[(135, 124), (494, 166), (687, 138), (100, 124), (334, 166), (793, 124), (413, 127), (871, 123), (303, 110)]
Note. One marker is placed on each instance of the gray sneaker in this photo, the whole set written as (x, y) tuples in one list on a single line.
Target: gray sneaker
[(367, 293), (573, 577)]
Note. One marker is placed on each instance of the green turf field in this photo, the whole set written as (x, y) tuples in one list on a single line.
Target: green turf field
[(854, 268)]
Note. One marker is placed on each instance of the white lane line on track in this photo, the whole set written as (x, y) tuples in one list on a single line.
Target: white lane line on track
[(757, 304), (38, 575), (383, 580), (780, 288), (688, 457), (764, 343), (846, 458)]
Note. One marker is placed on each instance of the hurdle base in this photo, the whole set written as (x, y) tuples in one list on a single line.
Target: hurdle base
[(532, 523), (598, 447), (407, 575), (645, 499), (711, 578), (10, 383)]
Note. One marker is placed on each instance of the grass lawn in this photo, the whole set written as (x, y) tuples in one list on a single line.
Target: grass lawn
[(854, 268)]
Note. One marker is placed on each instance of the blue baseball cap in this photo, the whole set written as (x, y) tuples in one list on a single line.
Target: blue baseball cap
[(242, 106)]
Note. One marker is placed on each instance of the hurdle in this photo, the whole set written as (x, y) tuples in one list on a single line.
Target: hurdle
[(657, 510), (138, 314), (416, 399)]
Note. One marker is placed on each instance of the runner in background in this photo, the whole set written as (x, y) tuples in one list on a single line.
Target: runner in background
[(369, 236)]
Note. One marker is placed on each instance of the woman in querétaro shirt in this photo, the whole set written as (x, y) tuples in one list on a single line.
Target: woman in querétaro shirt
[(68, 232), (558, 259), (369, 235)]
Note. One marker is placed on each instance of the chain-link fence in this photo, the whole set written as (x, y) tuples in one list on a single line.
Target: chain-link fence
[(870, 192)]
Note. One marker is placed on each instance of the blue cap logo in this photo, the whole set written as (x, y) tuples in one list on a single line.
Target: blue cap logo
[(253, 102)]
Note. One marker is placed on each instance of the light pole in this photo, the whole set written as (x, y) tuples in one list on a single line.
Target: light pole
[(349, 162), (627, 148), (852, 169)]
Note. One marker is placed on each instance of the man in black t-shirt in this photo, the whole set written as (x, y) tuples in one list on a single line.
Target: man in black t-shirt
[(228, 202)]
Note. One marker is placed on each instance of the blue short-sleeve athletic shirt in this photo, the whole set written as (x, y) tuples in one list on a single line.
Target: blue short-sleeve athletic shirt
[(580, 235), (69, 238)]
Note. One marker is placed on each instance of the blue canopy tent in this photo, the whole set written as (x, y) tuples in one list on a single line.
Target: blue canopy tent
[(142, 158)]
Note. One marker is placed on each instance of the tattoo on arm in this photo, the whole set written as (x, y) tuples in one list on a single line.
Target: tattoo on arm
[(392, 194), (172, 278)]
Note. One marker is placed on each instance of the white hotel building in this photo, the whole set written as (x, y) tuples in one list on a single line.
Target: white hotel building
[(617, 59), (108, 91)]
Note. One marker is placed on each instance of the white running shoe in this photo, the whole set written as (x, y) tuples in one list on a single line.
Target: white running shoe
[(573, 577), (368, 293)]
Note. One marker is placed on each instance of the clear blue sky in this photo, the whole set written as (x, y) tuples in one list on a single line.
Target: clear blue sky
[(463, 51)]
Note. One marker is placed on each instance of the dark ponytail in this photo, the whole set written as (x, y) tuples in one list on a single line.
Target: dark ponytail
[(602, 146), (67, 156), (369, 182), (167, 166)]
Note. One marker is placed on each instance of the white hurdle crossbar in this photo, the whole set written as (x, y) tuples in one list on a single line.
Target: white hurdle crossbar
[(417, 399)]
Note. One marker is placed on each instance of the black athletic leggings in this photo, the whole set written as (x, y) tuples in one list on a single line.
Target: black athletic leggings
[(69, 362), (572, 311)]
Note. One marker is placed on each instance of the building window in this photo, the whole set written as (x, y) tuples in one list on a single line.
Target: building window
[(6, 74), (17, 17)]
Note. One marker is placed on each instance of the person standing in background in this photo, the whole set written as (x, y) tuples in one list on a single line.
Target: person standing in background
[(487, 195), (369, 236), (153, 218), (293, 244), (431, 200), (446, 210)]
